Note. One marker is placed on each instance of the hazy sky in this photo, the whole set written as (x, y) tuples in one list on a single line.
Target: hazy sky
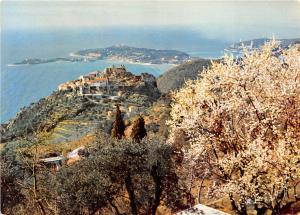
[(256, 18)]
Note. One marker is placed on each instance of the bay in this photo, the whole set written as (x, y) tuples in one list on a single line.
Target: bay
[(24, 84)]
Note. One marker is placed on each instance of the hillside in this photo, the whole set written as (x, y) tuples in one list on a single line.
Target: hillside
[(175, 77), (133, 54), (71, 114), (74, 125)]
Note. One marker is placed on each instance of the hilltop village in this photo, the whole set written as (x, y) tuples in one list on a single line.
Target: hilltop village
[(113, 84), (107, 83)]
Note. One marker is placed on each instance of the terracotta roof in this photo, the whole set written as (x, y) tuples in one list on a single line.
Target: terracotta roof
[(100, 79), (95, 80)]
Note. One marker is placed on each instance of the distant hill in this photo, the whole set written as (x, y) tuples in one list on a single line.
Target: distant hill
[(117, 53), (256, 43), (175, 77), (134, 55)]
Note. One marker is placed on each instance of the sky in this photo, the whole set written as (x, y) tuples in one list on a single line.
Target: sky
[(254, 18)]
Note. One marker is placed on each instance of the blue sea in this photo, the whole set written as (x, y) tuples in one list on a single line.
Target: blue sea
[(24, 84)]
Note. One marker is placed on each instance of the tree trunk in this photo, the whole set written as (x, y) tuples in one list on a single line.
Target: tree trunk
[(36, 199), (130, 190), (276, 210), (200, 189), (242, 211), (158, 188), (115, 207), (260, 211)]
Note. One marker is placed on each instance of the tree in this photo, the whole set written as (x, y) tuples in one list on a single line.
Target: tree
[(126, 178), (138, 129), (23, 180), (240, 122), (11, 171), (119, 125), (83, 190)]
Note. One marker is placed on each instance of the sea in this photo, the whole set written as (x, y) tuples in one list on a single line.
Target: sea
[(24, 84)]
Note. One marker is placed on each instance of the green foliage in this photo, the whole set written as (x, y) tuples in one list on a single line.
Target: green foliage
[(83, 189), (144, 171), (119, 125), (138, 129), (11, 171), (116, 177), (23, 189)]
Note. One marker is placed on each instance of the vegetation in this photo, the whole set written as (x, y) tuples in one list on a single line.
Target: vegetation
[(61, 107), (175, 77), (24, 178), (11, 171), (138, 129), (241, 127), (119, 125), (45, 115), (133, 54), (235, 129), (116, 177)]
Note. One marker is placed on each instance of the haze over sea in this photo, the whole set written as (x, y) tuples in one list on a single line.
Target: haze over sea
[(24, 84)]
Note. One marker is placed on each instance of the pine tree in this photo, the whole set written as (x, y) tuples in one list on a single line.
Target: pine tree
[(138, 129), (119, 125)]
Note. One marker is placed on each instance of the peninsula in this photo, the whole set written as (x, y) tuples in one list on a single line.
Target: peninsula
[(117, 53), (134, 55), (32, 61)]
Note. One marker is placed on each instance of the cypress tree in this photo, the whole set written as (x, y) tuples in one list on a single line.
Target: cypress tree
[(119, 125), (138, 129)]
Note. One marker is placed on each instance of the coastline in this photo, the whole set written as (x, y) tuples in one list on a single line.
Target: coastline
[(89, 59), (116, 59), (27, 86)]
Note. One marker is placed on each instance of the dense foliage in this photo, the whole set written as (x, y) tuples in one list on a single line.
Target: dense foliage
[(118, 125), (241, 124), (113, 177), (11, 171), (138, 129)]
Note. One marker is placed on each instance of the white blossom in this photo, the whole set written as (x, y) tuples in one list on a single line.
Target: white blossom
[(241, 121)]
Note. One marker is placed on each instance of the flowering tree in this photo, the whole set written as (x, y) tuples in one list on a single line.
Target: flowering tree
[(241, 123)]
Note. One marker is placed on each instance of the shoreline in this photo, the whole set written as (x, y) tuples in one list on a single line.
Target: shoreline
[(72, 54), (85, 70), (93, 60)]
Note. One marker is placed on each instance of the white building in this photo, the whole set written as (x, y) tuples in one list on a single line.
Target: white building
[(201, 210)]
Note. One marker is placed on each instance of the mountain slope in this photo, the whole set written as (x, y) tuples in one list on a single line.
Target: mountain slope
[(55, 112), (175, 77)]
